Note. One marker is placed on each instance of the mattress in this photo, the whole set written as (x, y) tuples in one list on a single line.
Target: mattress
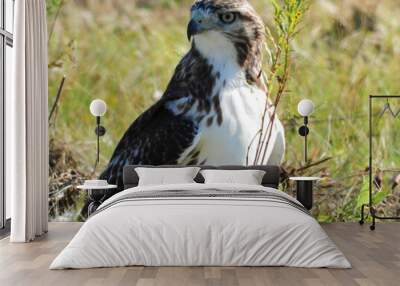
[(201, 225)]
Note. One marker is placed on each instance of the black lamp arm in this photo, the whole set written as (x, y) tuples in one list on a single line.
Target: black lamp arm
[(100, 131), (303, 131)]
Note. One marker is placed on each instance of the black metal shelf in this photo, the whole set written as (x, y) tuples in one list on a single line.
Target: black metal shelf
[(371, 208)]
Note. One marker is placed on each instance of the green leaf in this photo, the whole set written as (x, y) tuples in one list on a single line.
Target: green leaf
[(379, 196), (363, 196), (52, 6), (324, 218)]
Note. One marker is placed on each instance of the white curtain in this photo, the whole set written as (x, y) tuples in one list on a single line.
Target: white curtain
[(26, 117)]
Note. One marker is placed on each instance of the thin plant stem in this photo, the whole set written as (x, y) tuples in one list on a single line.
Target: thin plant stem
[(287, 15)]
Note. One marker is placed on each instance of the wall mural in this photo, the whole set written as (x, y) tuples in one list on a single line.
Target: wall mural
[(183, 87)]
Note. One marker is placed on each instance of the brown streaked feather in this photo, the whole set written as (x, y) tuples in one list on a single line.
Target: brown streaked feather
[(159, 136)]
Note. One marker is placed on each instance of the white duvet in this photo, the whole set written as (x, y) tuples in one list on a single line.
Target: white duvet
[(188, 231)]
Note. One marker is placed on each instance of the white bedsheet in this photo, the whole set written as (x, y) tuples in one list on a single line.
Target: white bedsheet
[(200, 231)]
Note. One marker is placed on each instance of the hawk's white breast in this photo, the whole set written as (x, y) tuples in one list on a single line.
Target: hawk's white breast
[(242, 106)]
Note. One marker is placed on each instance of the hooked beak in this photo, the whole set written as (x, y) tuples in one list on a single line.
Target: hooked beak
[(199, 22), (193, 28)]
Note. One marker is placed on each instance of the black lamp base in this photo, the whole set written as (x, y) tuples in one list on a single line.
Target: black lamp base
[(100, 130), (303, 130)]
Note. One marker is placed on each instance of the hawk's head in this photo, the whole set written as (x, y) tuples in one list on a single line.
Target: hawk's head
[(230, 29)]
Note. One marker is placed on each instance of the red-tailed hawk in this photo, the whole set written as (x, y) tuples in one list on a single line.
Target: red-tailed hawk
[(213, 105)]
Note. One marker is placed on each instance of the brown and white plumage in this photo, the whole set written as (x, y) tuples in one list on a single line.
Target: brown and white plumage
[(212, 107)]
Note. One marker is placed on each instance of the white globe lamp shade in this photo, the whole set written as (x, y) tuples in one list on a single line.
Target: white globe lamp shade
[(98, 107), (305, 107)]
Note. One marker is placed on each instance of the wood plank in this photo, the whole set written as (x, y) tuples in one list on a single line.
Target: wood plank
[(375, 257)]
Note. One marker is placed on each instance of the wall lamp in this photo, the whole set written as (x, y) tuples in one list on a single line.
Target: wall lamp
[(305, 108), (98, 108)]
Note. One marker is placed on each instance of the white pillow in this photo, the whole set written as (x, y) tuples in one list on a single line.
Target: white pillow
[(248, 177), (164, 176)]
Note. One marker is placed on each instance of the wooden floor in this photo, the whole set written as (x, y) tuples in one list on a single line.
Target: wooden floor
[(375, 257)]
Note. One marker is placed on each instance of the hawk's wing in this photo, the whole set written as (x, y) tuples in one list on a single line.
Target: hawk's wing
[(156, 137), (159, 136)]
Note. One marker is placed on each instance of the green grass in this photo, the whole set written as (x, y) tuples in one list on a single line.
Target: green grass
[(124, 53)]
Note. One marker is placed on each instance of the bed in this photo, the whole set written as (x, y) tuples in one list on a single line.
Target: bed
[(201, 224)]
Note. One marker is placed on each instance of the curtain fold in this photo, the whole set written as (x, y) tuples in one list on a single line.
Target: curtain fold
[(27, 155)]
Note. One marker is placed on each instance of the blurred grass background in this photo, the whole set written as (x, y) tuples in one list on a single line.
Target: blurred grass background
[(125, 52)]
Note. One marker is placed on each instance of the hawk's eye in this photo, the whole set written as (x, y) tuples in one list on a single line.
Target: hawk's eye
[(227, 18)]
